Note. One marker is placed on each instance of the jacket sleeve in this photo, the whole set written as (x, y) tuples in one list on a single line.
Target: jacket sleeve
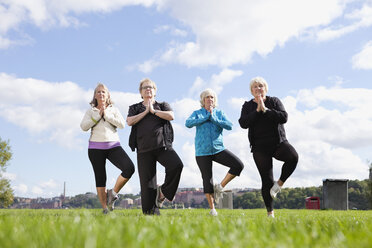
[(196, 119), (277, 113), (247, 117), (113, 116), (90, 119), (220, 119)]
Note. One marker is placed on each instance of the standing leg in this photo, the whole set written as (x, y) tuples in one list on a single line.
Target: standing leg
[(205, 166), (98, 159), (264, 165), (173, 168), (147, 174)]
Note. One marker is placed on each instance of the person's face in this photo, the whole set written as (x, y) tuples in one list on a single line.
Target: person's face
[(101, 94), (258, 89), (147, 90), (208, 101)]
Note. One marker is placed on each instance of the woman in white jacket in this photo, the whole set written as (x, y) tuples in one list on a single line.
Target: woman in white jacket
[(103, 119)]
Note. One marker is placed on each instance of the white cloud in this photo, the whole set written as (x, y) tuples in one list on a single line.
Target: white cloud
[(228, 34), (20, 189), (50, 111), (217, 81), (172, 30), (9, 176), (37, 190), (50, 184), (359, 18), (363, 60), (46, 14)]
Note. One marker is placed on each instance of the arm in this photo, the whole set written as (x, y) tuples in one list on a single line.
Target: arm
[(165, 111), (278, 113), (113, 116), (90, 119), (196, 119), (133, 119), (248, 116), (221, 120)]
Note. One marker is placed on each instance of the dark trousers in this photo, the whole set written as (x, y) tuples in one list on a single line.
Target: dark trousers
[(264, 161), (225, 158), (146, 161), (117, 156)]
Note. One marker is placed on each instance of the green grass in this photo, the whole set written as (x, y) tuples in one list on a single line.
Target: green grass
[(185, 228)]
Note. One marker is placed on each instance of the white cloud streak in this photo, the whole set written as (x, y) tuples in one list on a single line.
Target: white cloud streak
[(48, 110), (363, 60)]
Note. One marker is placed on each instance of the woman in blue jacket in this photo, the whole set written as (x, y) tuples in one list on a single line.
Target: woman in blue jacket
[(209, 123)]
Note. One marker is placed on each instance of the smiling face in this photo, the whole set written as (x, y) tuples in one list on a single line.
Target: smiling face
[(258, 89), (101, 95), (147, 89)]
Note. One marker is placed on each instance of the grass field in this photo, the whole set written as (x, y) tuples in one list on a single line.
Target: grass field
[(185, 228)]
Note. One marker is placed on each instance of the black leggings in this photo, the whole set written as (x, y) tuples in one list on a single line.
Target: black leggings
[(225, 158), (117, 156), (146, 161), (285, 152)]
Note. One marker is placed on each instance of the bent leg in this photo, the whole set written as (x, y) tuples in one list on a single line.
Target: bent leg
[(289, 156)]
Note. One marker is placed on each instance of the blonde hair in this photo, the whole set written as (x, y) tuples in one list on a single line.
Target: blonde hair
[(94, 102), (208, 92), (258, 80)]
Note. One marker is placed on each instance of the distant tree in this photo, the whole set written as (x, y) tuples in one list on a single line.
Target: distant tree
[(370, 186), (6, 192)]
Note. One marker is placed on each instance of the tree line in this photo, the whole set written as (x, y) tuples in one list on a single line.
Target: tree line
[(359, 194)]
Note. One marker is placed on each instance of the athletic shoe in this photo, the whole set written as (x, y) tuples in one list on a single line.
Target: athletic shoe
[(275, 189), (159, 201), (218, 192), (105, 211), (111, 199), (213, 212), (271, 216)]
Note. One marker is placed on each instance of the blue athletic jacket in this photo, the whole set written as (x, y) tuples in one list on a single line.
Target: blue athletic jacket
[(208, 138)]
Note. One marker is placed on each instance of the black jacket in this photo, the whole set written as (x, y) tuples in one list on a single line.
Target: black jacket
[(275, 114), (167, 126)]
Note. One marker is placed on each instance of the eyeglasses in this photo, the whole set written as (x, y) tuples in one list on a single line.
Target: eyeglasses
[(147, 88)]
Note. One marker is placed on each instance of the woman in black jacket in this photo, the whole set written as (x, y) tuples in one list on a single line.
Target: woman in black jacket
[(264, 116), (152, 135)]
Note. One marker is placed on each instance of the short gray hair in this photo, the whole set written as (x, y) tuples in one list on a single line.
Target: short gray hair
[(258, 80), (208, 92)]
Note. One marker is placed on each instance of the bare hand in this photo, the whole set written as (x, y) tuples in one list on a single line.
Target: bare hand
[(102, 110)]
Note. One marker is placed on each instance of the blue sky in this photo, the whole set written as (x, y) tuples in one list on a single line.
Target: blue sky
[(315, 55)]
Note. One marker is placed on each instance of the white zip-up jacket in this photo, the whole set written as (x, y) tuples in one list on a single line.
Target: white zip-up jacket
[(103, 129)]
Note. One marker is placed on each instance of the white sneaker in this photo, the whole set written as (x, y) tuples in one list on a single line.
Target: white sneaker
[(271, 216), (218, 192), (275, 189), (111, 199), (213, 212)]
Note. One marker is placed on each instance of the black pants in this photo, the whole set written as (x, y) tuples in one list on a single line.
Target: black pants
[(168, 158), (117, 156), (264, 161), (225, 158)]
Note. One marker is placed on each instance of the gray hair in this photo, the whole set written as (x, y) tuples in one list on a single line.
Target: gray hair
[(258, 80), (208, 92)]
